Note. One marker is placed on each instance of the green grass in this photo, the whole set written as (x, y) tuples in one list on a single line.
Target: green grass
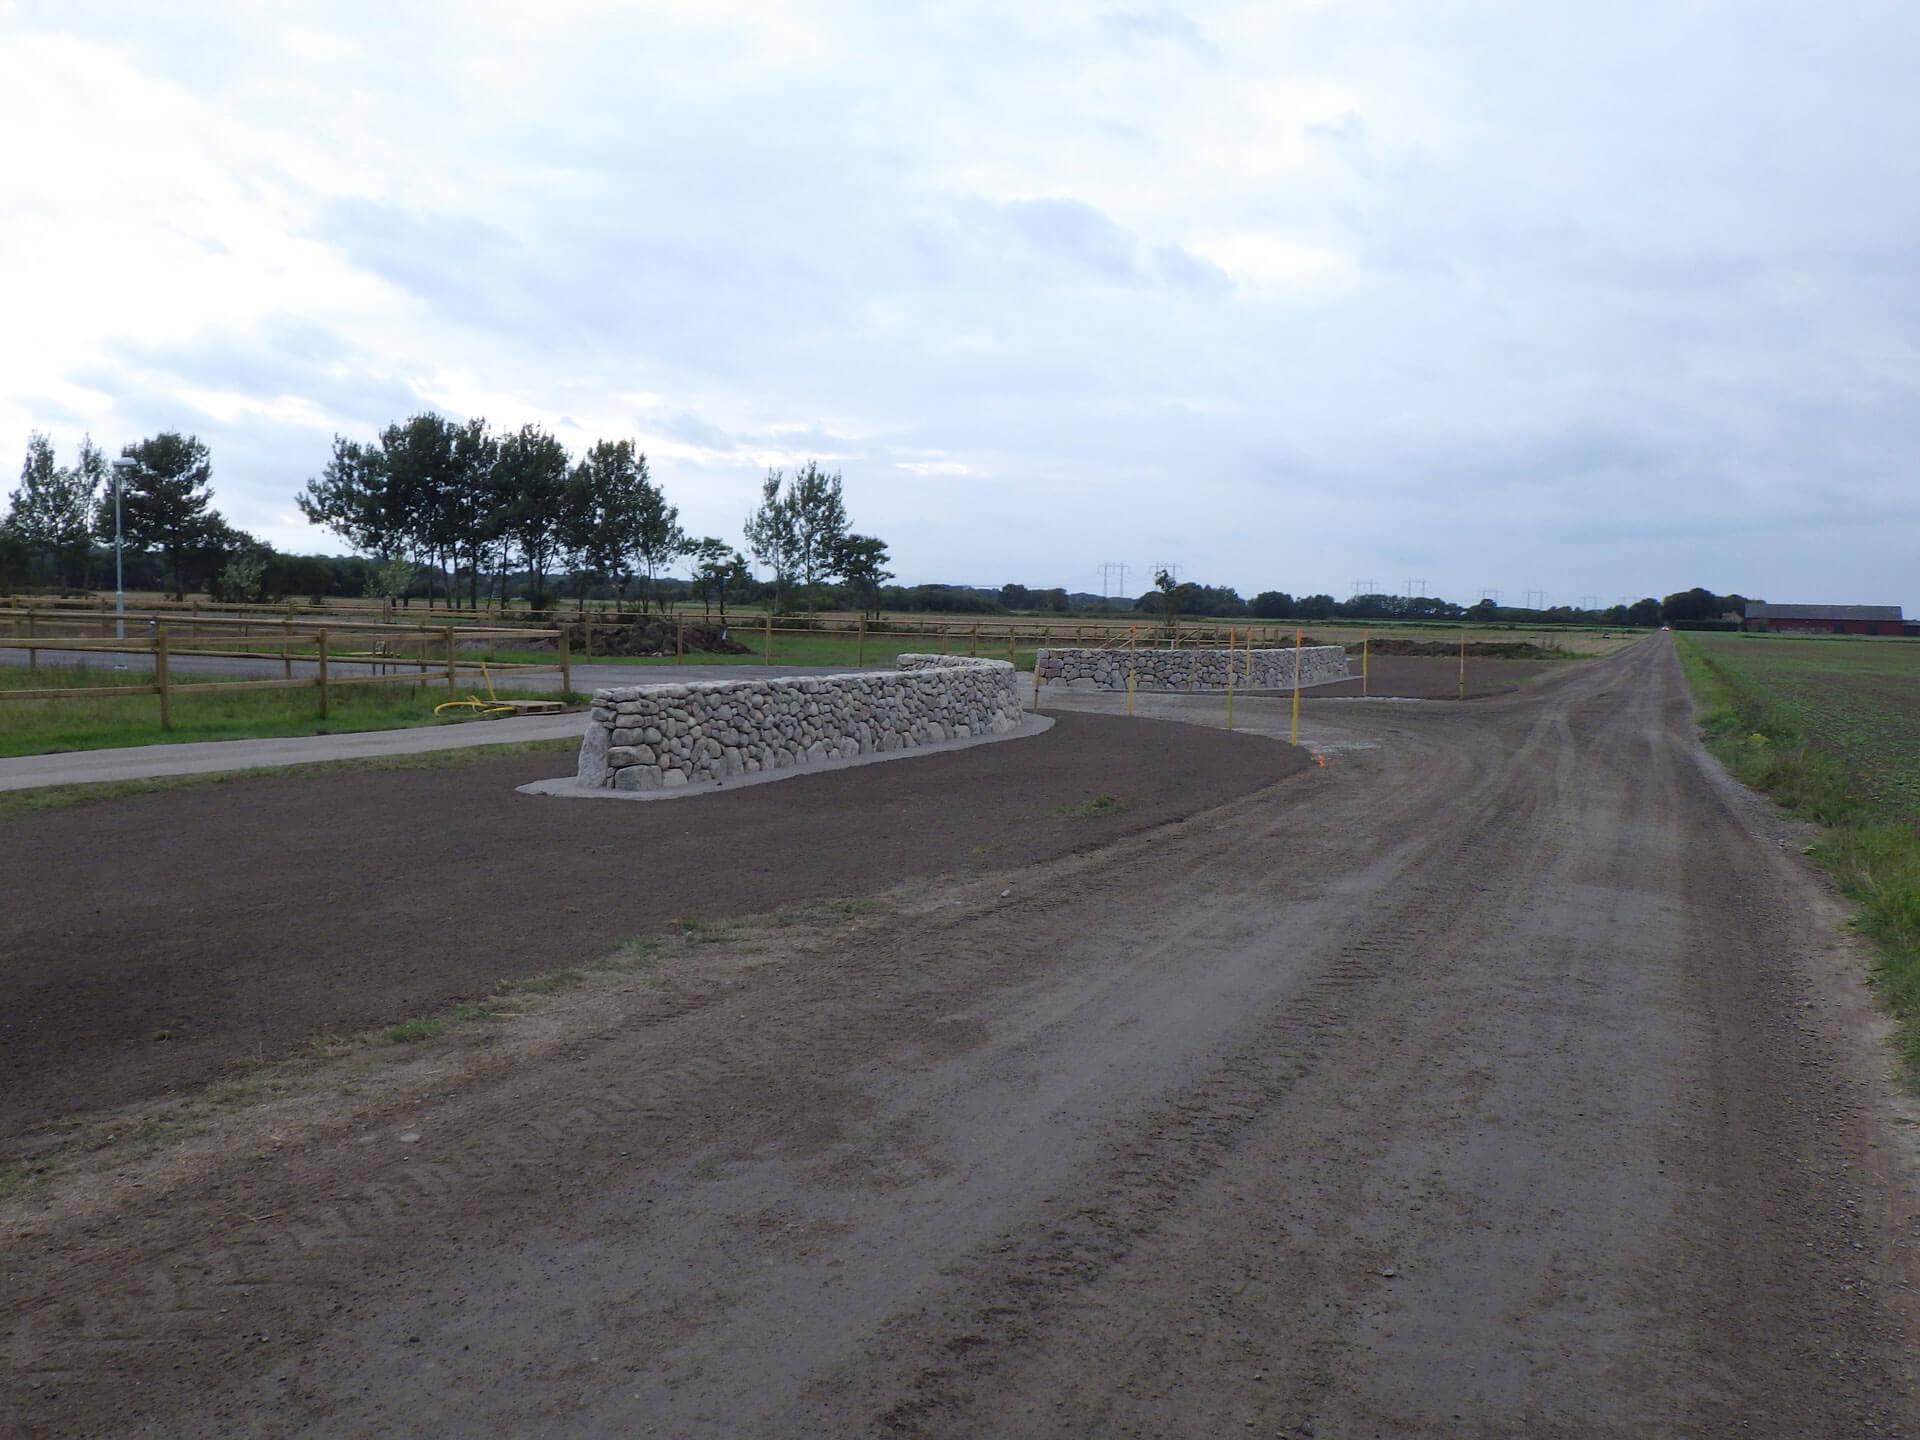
[(1098, 805), (17, 803), (205, 709), (1828, 729)]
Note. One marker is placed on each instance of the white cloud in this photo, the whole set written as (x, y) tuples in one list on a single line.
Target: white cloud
[(1370, 287)]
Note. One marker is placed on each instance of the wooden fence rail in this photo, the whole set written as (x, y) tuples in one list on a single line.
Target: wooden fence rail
[(159, 645)]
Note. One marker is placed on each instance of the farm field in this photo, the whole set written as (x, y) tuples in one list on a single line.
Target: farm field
[(1855, 697)]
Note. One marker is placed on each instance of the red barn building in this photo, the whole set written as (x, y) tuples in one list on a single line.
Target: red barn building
[(1830, 619)]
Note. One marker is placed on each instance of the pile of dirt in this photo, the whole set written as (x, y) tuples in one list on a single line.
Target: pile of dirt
[(650, 637), (1476, 649)]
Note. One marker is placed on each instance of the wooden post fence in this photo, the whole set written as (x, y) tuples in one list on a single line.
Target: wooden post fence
[(860, 645), (322, 638), (769, 635), (160, 675), (566, 664), (453, 678)]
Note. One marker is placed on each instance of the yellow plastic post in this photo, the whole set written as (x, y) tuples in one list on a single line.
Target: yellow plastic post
[(160, 674), (1294, 738), (1230, 677), (1363, 660), (1133, 635)]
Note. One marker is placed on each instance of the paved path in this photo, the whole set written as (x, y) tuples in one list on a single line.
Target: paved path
[(141, 762)]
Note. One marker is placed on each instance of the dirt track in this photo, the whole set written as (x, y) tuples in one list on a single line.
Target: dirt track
[(1503, 1077)]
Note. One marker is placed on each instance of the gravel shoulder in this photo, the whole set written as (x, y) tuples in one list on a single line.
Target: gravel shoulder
[(1507, 1074)]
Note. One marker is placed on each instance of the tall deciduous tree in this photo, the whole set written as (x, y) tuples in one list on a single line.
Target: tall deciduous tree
[(52, 509), (532, 469), (615, 512), (861, 561), (819, 525), (165, 501), (350, 498), (719, 571), (771, 535), (658, 538)]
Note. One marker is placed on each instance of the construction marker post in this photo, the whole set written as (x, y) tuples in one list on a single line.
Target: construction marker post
[(1363, 661), (1229, 677), (1294, 738), (1463, 662), (160, 674), (1133, 632)]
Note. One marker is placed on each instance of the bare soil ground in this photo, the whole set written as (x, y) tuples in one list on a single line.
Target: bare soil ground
[(152, 941), (1508, 1075), (1429, 677)]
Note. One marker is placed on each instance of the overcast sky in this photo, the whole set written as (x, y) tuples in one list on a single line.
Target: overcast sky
[(1591, 299)]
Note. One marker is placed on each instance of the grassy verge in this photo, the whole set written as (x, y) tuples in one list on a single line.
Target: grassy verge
[(16, 803), (203, 708), (1873, 856)]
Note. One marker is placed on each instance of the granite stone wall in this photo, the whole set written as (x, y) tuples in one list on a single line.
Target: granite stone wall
[(1086, 669), (654, 737)]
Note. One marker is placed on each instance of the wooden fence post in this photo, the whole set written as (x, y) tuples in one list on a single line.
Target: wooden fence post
[(860, 645), (321, 682), (566, 663), (679, 639), (973, 650), (453, 678), (160, 675), (769, 635)]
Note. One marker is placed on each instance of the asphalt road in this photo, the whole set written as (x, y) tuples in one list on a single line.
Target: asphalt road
[(1508, 1075)]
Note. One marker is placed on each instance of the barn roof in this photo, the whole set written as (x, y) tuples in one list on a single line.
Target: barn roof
[(1757, 611)]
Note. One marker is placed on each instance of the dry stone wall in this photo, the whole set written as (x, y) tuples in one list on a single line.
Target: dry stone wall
[(655, 737), (1085, 669)]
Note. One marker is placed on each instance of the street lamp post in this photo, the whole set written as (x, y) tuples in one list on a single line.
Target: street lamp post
[(121, 467)]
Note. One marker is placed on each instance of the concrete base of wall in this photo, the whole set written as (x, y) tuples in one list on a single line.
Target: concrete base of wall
[(569, 787), (1190, 670)]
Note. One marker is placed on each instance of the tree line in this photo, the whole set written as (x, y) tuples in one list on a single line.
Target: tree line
[(456, 500), (434, 506), (63, 516)]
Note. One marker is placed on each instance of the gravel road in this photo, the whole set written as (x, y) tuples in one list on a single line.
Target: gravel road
[(1506, 1076)]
